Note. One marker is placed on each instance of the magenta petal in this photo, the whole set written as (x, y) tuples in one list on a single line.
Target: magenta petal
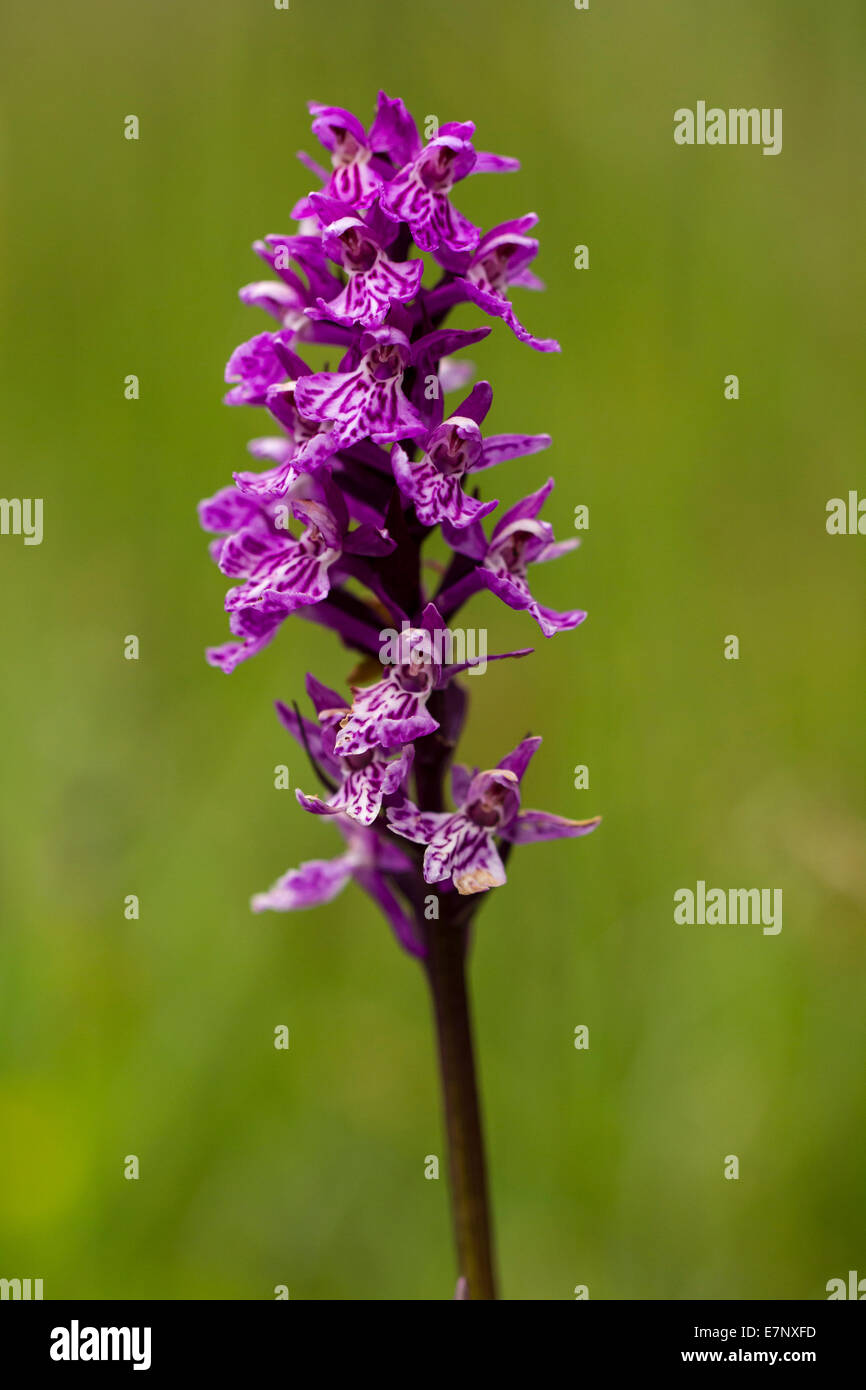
[(385, 716), (436, 497), (359, 404), (283, 302), (500, 307), (357, 184), (477, 404), (394, 132), (315, 805), (230, 655), (518, 760), (397, 770), (470, 541), (444, 843), (527, 508), (316, 882), (531, 826), (420, 826), (512, 589), (254, 629), (322, 696), (551, 622), (461, 778), (271, 485), (443, 341), (228, 510), (476, 866), (329, 122), (450, 228), (361, 794), (273, 447), (527, 280), (494, 163), (554, 549), (254, 367), (368, 540), (465, 852), (368, 296), (498, 448), (281, 573), (323, 518), (434, 221), (244, 550), (431, 619)]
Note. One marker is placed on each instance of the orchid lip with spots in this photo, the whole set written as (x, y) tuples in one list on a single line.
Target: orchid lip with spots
[(366, 466)]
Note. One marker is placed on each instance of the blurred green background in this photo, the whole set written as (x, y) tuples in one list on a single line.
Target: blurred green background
[(155, 1037)]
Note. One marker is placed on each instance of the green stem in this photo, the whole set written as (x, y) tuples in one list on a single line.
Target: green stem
[(446, 972)]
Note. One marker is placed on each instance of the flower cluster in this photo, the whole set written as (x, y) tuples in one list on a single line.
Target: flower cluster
[(364, 466)]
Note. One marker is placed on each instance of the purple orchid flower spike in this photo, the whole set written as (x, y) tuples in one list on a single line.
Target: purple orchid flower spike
[(367, 462), (365, 780), (450, 452), (461, 844)]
